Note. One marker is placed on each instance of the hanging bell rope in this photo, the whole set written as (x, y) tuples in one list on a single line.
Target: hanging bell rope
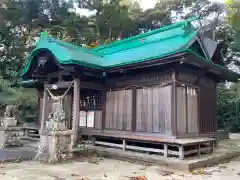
[(65, 93)]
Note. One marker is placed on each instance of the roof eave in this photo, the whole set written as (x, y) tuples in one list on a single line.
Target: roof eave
[(224, 73), (176, 57)]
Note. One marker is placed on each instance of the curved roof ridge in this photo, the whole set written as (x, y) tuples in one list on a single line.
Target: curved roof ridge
[(139, 36), (45, 35)]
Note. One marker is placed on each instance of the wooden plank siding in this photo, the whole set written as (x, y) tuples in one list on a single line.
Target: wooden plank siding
[(140, 80), (119, 110), (207, 122), (154, 110), (181, 110), (97, 119), (187, 110), (192, 110), (203, 120)]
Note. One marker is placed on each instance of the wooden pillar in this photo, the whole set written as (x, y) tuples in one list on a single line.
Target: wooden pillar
[(211, 147), (199, 149), (181, 152), (165, 150), (104, 100), (174, 104), (44, 110), (124, 145), (134, 109), (93, 141), (75, 120)]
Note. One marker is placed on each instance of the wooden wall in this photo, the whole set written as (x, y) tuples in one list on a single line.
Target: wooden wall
[(140, 104), (187, 110), (98, 119), (144, 104), (205, 100), (119, 110), (153, 111), (207, 121)]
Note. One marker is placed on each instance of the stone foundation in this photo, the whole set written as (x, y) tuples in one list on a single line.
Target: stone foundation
[(10, 137), (222, 134), (55, 146), (9, 122)]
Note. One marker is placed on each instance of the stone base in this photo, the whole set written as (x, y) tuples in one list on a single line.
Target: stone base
[(10, 137), (55, 146), (223, 135), (9, 122), (56, 126)]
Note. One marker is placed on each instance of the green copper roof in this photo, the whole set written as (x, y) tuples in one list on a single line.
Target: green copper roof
[(144, 47)]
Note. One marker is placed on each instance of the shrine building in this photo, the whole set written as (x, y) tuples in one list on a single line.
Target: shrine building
[(153, 92)]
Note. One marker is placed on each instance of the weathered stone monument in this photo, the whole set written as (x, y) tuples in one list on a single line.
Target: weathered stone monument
[(55, 139), (9, 131)]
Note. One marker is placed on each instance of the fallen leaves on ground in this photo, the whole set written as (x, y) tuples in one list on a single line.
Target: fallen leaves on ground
[(164, 172), (93, 161), (148, 165), (201, 172), (138, 178), (56, 177), (143, 168)]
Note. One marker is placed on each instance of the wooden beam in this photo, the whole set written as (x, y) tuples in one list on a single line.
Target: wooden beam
[(167, 60), (45, 95), (51, 75), (197, 72), (87, 85), (76, 109), (181, 152)]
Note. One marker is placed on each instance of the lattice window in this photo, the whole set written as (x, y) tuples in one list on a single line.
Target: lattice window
[(91, 102)]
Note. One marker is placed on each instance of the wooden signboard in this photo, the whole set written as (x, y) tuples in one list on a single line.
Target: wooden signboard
[(83, 118), (90, 119)]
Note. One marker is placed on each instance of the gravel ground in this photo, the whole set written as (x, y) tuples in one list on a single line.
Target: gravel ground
[(108, 169), (98, 168)]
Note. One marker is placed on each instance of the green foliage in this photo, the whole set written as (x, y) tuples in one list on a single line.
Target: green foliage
[(26, 100), (228, 107)]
